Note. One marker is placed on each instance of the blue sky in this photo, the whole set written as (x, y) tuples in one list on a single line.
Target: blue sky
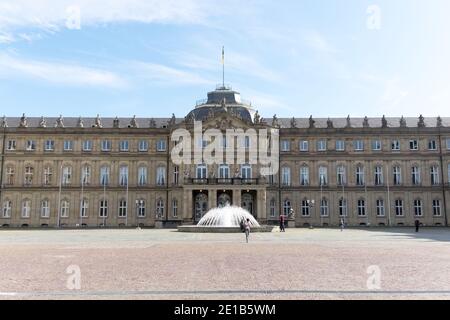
[(154, 57)]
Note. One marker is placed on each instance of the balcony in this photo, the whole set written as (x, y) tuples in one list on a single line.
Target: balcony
[(223, 181)]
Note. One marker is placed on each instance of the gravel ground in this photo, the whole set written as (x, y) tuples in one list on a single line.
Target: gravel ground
[(165, 264)]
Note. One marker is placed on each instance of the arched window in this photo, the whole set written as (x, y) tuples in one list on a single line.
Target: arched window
[(201, 171), (341, 175), (10, 175), (175, 208), (103, 208), (343, 207), (26, 208), (246, 171), (415, 175), (286, 176), (104, 175), (161, 176), (324, 207), (66, 175), (122, 208), (7, 207), (86, 175), (224, 171), (45, 208), (272, 208), (418, 208), (304, 175), (397, 175), (142, 176), (28, 178), (48, 175), (360, 178), (123, 175), (323, 176), (140, 208), (159, 208), (84, 207), (434, 175), (287, 207), (64, 212), (379, 175)]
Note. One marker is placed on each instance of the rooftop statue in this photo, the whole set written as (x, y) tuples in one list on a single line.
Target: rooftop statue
[(23, 121), (59, 122), (256, 118), (152, 123), (439, 122), (293, 123), (4, 122), (330, 124), (116, 123), (366, 122), (349, 124), (421, 123), (42, 123), (312, 122), (275, 121), (133, 123), (384, 123), (98, 122), (402, 122), (80, 123)]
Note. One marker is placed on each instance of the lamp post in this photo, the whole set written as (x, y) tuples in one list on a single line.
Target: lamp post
[(59, 196), (311, 204)]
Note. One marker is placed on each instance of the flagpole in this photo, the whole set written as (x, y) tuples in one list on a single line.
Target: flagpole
[(82, 196), (59, 196), (223, 67)]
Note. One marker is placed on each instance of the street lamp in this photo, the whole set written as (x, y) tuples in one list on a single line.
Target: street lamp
[(139, 205), (311, 204)]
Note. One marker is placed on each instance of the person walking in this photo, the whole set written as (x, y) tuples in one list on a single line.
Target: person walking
[(342, 224), (417, 224), (247, 229), (282, 219)]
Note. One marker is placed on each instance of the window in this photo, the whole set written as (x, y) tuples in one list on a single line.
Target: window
[(161, 145), (87, 145), (323, 176), (358, 145), (67, 176), (376, 145), (140, 208), (305, 208), (379, 176), (448, 172), (104, 175), (399, 207), (324, 207), (342, 207), (124, 145), (304, 146), (29, 171), (341, 175), (304, 175), (272, 205), (64, 211), (123, 176), (201, 171), (103, 208), (417, 204), (31, 145), (361, 207), (395, 146), (68, 145), (122, 208), (45, 208), (224, 171), (286, 176), (436, 207), (86, 175), (48, 174), (175, 208), (10, 174), (160, 208), (448, 143), (142, 176), (434, 175), (285, 145), (11, 145), (247, 143), (246, 171), (161, 176), (397, 174), (340, 145), (143, 146), (415, 175), (360, 181), (432, 144), (26, 208), (287, 207), (84, 207), (322, 145), (106, 145), (7, 207), (49, 145), (413, 145), (380, 208), (176, 175)]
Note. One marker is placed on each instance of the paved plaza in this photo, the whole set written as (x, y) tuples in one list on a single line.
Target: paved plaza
[(166, 264)]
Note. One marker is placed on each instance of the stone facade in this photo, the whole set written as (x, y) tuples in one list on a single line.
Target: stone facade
[(389, 171)]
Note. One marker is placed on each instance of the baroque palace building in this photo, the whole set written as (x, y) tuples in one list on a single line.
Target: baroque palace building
[(118, 172)]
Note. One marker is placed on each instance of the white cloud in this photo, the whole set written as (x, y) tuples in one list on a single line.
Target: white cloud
[(59, 73), (52, 15), (6, 37), (161, 74)]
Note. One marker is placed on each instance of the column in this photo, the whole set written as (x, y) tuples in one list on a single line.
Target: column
[(261, 205), (212, 199), (237, 198)]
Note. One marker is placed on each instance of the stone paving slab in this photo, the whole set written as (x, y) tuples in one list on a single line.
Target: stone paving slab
[(165, 264)]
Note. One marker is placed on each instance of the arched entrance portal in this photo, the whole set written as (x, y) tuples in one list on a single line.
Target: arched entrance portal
[(223, 200), (247, 203), (201, 205)]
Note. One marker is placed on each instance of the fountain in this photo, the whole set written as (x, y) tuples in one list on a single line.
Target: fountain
[(226, 219)]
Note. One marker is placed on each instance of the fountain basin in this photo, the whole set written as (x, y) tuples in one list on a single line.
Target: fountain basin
[(206, 229)]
